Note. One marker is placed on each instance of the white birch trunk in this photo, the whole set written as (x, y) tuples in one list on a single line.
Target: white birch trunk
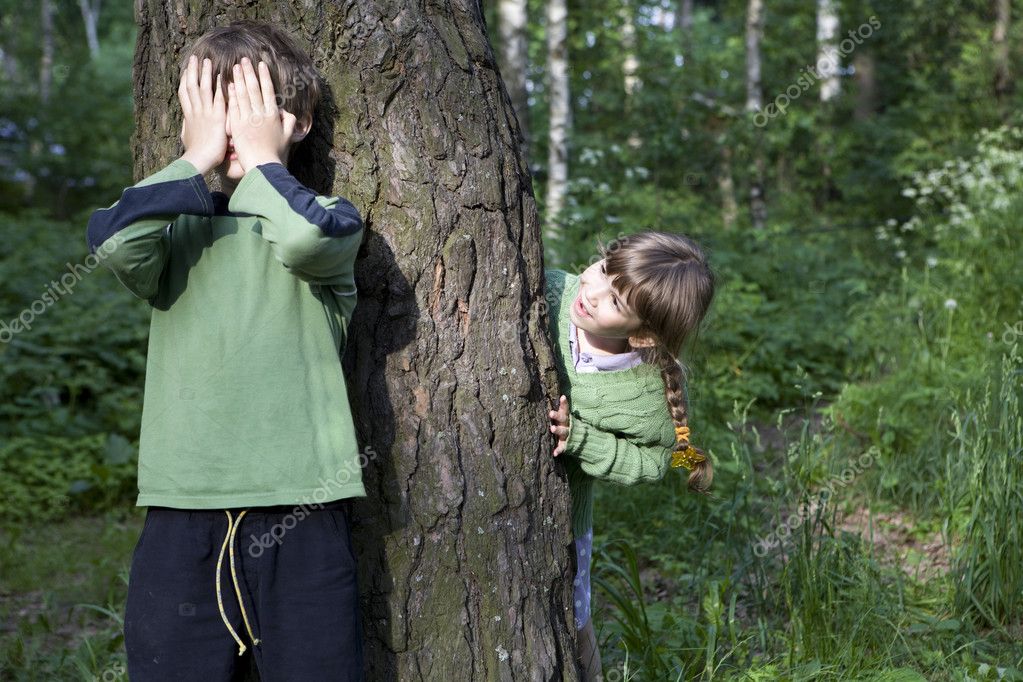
[(511, 21), (827, 50), (755, 102), (1003, 75), (90, 16), (560, 114)]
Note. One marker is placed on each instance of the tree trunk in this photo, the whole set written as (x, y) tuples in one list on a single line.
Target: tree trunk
[(90, 16), (464, 540), (726, 185), (1003, 74), (560, 116), (754, 102), (866, 85), (684, 18), (514, 58), (630, 67), (827, 50), (46, 57)]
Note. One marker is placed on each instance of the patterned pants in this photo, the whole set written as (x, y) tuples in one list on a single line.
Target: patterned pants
[(583, 551)]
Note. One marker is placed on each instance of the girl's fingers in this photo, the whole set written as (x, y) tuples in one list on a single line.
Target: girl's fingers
[(266, 86)]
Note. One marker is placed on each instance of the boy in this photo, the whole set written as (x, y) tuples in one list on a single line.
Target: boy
[(246, 413)]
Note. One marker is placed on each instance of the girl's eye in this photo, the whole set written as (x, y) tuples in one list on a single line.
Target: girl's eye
[(602, 270)]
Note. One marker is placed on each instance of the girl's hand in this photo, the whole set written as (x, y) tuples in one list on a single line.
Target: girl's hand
[(204, 113), (559, 425)]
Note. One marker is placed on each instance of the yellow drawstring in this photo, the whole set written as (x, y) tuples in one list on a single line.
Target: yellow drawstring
[(232, 528)]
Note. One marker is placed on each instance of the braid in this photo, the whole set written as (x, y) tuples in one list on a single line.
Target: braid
[(673, 373)]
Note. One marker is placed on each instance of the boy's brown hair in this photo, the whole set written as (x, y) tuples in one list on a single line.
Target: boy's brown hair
[(295, 78)]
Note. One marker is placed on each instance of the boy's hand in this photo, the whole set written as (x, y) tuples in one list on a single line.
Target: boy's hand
[(559, 425), (204, 116), (260, 131)]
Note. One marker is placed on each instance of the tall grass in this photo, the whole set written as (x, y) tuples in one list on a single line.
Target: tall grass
[(988, 564)]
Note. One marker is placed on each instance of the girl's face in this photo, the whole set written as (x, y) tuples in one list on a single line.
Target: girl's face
[(599, 309)]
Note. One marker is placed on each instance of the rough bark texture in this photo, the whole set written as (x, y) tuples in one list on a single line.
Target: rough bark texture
[(464, 540)]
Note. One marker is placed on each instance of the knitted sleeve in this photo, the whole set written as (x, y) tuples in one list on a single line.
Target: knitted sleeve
[(616, 457)]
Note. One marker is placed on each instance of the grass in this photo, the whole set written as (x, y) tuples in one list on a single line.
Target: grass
[(62, 591), (680, 593)]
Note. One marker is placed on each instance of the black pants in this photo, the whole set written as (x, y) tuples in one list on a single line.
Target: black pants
[(296, 572)]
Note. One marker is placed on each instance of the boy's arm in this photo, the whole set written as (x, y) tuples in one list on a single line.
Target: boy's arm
[(131, 234), (315, 238), (616, 458)]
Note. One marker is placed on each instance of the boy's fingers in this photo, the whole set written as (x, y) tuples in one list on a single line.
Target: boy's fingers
[(186, 105), (266, 86), (218, 96), (252, 84), (240, 92), (232, 103), (194, 98), (206, 82)]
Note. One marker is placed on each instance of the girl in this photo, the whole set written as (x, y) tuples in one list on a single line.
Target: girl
[(619, 327)]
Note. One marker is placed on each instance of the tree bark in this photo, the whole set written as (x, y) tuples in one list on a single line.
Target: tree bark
[(560, 115), (754, 102), (827, 50), (464, 540), (515, 58)]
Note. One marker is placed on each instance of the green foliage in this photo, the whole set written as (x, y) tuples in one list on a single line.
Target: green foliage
[(937, 331), (71, 379), (988, 466), (46, 478)]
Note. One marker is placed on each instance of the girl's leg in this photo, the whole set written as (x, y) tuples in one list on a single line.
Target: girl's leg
[(588, 654)]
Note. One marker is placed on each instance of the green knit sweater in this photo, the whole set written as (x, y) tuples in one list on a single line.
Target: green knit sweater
[(620, 428)]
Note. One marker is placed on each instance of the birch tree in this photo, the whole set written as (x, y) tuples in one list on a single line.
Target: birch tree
[(560, 114), (754, 103)]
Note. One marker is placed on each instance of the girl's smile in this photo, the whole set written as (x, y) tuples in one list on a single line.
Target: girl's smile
[(581, 307)]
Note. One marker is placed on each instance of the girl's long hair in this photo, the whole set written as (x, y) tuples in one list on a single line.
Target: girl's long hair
[(665, 279)]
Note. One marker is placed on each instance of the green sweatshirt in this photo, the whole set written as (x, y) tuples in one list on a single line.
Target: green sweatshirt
[(245, 401), (620, 427)]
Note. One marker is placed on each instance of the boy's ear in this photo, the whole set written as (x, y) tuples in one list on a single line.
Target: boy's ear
[(302, 128)]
